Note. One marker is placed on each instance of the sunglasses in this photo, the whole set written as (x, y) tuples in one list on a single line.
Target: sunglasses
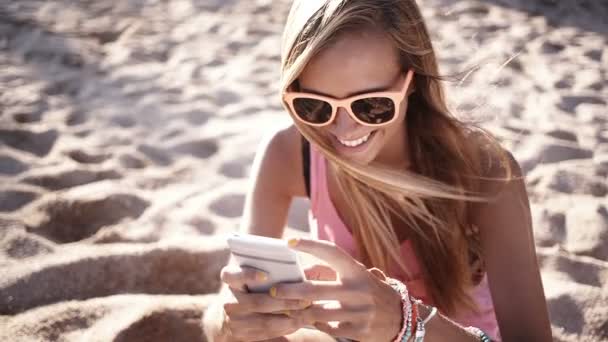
[(370, 109)]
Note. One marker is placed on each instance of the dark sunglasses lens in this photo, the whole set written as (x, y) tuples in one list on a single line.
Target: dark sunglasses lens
[(312, 110), (374, 110)]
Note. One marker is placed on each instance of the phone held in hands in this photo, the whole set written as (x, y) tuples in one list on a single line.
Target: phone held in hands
[(270, 255)]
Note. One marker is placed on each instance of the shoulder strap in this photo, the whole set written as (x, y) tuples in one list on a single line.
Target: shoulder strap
[(306, 164)]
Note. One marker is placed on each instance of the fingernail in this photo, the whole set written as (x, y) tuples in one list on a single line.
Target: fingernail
[(273, 291), (306, 303), (261, 275), (293, 242), (286, 313)]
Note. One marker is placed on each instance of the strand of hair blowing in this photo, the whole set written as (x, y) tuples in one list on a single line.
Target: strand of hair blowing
[(429, 201)]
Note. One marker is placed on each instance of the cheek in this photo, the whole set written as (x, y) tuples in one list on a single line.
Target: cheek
[(388, 133)]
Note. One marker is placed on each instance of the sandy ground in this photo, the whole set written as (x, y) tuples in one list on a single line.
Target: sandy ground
[(128, 128)]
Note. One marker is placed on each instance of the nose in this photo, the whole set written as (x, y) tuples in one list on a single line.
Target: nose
[(343, 122)]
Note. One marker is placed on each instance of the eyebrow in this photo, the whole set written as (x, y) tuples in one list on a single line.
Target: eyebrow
[(370, 90), (367, 90)]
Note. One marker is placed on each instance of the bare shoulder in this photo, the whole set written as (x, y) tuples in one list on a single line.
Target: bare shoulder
[(502, 183), (498, 165), (282, 159)]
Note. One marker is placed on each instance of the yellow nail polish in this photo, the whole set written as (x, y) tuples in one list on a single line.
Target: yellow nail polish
[(306, 303), (293, 242), (261, 276), (273, 291)]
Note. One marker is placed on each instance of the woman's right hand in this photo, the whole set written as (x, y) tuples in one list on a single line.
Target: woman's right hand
[(256, 316)]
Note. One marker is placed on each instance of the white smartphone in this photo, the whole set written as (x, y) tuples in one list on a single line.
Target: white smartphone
[(271, 255)]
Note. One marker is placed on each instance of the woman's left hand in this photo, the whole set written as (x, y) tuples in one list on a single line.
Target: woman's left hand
[(370, 309)]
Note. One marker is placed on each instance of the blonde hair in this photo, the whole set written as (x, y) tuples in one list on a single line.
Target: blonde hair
[(434, 199)]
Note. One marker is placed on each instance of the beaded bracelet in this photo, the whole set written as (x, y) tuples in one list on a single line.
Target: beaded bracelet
[(479, 333), (415, 315), (406, 328)]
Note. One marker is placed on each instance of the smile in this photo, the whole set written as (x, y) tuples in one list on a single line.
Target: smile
[(355, 142)]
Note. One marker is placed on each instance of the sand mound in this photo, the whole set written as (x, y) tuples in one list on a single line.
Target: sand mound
[(87, 271), (116, 318), (128, 131)]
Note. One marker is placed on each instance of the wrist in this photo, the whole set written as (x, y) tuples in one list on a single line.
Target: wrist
[(402, 329)]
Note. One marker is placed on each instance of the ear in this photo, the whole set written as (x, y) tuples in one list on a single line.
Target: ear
[(412, 87)]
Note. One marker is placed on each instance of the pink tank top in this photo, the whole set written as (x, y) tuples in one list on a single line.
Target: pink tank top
[(326, 224)]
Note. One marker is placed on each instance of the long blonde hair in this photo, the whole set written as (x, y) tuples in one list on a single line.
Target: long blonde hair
[(447, 164)]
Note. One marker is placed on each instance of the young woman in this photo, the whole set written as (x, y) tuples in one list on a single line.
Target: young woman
[(399, 188)]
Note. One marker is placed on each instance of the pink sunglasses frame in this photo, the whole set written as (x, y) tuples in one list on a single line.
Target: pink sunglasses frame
[(395, 96)]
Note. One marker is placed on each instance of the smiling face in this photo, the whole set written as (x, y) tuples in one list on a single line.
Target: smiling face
[(355, 63)]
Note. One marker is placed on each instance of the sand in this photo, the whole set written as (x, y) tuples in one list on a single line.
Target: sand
[(128, 129)]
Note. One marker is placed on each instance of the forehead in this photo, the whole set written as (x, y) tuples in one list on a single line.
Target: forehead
[(352, 63)]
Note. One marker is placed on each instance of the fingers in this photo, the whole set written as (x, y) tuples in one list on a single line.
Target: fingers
[(328, 312), (261, 326), (262, 303), (237, 278), (314, 290), (343, 329), (338, 258), (320, 272)]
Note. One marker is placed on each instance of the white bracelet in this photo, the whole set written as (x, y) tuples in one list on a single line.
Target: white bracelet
[(420, 329)]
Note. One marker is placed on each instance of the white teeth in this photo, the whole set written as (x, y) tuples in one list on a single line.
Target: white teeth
[(356, 142)]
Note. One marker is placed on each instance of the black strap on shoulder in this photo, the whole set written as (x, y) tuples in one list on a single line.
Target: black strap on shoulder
[(306, 164)]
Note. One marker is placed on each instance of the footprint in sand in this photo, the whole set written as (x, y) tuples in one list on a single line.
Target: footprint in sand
[(67, 86), (549, 227), (83, 157), (72, 178), (542, 150), (131, 161), (197, 117), (566, 82), (171, 133), (551, 48), (11, 200), (123, 121), (76, 117), (225, 97), (83, 132), (16, 243), (228, 205), (563, 135), (565, 312), (581, 272), (237, 168), (204, 148), (594, 54), (76, 216), (155, 154), (174, 325), (202, 225), (28, 116), (37, 143), (569, 103), (11, 166)]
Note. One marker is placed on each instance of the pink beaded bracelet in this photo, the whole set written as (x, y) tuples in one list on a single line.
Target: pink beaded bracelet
[(406, 328)]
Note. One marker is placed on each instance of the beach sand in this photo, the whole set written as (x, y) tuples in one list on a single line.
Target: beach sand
[(128, 130)]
